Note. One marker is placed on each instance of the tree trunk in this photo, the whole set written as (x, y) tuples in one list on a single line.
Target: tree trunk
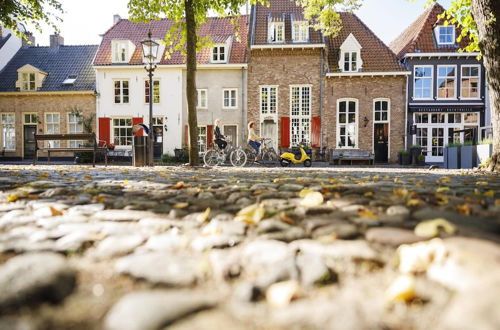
[(191, 82), (489, 43)]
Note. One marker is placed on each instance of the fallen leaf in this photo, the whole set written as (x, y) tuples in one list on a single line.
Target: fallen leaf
[(402, 289), (464, 209), (282, 293), (180, 205), (481, 183), (251, 214), (366, 213), (445, 179), (497, 202), (125, 181), (414, 202), (432, 228), (55, 212), (312, 199), (442, 189), (88, 177), (401, 192), (179, 185), (368, 194), (304, 192), (490, 193), (441, 199), (417, 257), (12, 198), (285, 218), (203, 217)]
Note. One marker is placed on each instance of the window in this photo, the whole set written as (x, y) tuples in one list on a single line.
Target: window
[(122, 131), (347, 123), (422, 87), (276, 32), (120, 51), (158, 129), (300, 32), (202, 99), (381, 110), (445, 35), (230, 98), (156, 91), (470, 82), (202, 138), (219, 54), (8, 131), (28, 81), (52, 126), (268, 100), (121, 91), (422, 137), (75, 126), (421, 118), (350, 61), (70, 80), (30, 119), (447, 81), (300, 110)]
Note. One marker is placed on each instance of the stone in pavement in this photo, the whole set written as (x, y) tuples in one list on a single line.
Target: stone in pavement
[(392, 236), (154, 310), (123, 215), (115, 246), (35, 278)]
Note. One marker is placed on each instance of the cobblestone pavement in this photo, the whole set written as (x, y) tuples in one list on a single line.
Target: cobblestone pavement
[(337, 248)]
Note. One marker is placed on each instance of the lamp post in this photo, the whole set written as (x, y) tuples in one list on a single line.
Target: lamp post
[(150, 51)]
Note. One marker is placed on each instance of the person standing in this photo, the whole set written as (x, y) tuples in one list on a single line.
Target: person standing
[(220, 139), (253, 139)]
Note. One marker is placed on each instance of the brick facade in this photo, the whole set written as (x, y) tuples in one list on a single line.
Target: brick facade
[(41, 104), (365, 90)]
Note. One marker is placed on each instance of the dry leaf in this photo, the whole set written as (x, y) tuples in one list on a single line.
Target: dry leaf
[(55, 212), (414, 202), (401, 192), (125, 181), (464, 209), (368, 194), (312, 199), (203, 217), (282, 293), (304, 192), (179, 185), (442, 189), (180, 205), (481, 183), (251, 214), (402, 289), (417, 257), (285, 218), (12, 198), (441, 199), (367, 213), (432, 228), (445, 179), (490, 193)]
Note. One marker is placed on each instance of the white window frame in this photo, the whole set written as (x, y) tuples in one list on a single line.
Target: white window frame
[(199, 103), (219, 54), (118, 46), (356, 123), (70, 124), (234, 143), (26, 81), (478, 66), (10, 126), (273, 32), (438, 35), (301, 116), (113, 136), (446, 77), (431, 78), (30, 114), (121, 95), (52, 144), (381, 121), (268, 111), (300, 31), (351, 61), (146, 88), (230, 90), (201, 148)]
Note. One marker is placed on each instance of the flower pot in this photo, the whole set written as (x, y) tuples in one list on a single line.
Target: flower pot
[(452, 157), (406, 159), (468, 156), (414, 153), (484, 151)]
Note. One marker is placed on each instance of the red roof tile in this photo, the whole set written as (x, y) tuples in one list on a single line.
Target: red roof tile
[(419, 36), (219, 28), (376, 56)]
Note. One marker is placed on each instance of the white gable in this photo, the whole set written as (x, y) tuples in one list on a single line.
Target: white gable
[(350, 44)]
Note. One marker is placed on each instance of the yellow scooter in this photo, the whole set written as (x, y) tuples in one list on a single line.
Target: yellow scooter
[(290, 158)]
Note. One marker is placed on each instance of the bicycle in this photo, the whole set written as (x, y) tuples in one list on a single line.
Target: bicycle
[(267, 154), (217, 157)]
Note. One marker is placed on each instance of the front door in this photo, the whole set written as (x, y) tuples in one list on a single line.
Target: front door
[(270, 131), (29, 140), (381, 143)]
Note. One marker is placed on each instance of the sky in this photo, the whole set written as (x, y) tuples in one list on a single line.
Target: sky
[(83, 24)]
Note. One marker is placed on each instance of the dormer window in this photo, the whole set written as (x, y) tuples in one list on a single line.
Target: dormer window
[(122, 51), (28, 81), (350, 61), (219, 54), (445, 35), (70, 80), (276, 32), (350, 55), (300, 32), (29, 78)]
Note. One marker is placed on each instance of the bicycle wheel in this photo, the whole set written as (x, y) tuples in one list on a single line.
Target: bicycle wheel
[(238, 158), (211, 158), (270, 156)]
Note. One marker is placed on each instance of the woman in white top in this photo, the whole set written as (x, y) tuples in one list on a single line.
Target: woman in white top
[(253, 139)]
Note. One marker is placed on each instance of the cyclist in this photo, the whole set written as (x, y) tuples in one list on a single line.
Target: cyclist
[(253, 139), (219, 138)]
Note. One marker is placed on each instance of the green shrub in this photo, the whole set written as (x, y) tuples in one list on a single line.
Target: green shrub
[(421, 157), (486, 141), (469, 143), (453, 144), (403, 152), (416, 146)]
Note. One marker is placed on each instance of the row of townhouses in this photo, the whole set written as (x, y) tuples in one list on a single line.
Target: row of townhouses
[(347, 92)]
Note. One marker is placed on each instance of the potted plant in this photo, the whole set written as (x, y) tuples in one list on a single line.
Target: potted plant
[(404, 157), (415, 151), (484, 150), (421, 160), (452, 155), (468, 155)]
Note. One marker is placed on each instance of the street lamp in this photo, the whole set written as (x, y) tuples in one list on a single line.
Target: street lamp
[(150, 52)]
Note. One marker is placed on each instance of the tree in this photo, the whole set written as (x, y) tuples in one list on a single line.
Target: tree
[(33, 12)]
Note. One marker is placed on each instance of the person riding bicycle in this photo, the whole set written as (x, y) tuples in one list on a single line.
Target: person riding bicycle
[(219, 138), (253, 139)]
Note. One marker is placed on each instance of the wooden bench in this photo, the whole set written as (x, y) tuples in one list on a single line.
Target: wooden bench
[(350, 155), (91, 137)]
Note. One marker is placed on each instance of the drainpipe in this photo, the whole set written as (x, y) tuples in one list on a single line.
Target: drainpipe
[(406, 113), (321, 82), (243, 107)]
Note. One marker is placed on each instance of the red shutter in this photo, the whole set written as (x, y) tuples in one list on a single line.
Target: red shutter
[(104, 130), (285, 132), (316, 132), (186, 135), (136, 121), (210, 136)]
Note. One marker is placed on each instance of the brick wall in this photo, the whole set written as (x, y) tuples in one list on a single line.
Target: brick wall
[(366, 89), (41, 104)]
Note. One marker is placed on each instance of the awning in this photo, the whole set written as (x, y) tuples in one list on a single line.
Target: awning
[(447, 108)]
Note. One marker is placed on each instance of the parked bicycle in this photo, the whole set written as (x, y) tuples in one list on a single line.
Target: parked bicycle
[(217, 157)]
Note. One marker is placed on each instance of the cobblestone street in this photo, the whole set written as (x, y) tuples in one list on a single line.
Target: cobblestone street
[(258, 248)]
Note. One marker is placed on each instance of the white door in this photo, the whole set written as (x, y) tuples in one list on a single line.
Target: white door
[(436, 145), (269, 130)]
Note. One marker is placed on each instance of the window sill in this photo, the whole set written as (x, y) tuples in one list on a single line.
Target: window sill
[(470, 99), (447, 99), (427, 99), (229, 109)]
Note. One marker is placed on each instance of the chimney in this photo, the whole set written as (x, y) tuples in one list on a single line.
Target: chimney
[(56, 40), (116, 18), (30, 40)]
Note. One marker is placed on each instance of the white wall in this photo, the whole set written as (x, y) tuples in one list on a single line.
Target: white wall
[(10, 48), (170, 105)]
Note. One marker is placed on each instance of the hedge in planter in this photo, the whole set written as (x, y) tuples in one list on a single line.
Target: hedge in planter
[(452, 155), (468, 155)]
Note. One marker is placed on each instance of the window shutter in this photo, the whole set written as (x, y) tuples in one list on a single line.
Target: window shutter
[(316, 132), (271, 32), (136, 121), (210, 136), (186, 135), (285, 132), (104, 130)]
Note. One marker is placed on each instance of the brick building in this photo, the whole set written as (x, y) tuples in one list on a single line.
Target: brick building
[(45, 90)]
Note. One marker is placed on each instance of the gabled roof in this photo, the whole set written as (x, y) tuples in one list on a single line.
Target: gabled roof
[(279, 11), (219, 28), (376, 56), (57, 63), (419, 36)]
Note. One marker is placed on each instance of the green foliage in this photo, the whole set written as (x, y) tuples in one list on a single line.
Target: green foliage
[(403, 152), (421, 157), (415, 146), (486, 141), (468, 143), (33, 12), (453, 145)]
